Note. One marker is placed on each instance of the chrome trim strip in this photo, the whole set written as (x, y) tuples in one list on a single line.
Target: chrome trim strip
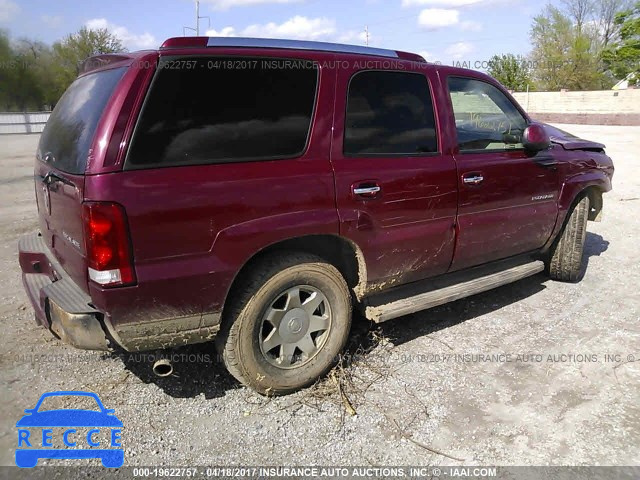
[(298, 45)]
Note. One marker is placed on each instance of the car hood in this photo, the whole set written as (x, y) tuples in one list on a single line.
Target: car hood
[(69, 418), (569, 141)]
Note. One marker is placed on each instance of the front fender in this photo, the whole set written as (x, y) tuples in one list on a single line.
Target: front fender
[(572, 187), (570, 190)]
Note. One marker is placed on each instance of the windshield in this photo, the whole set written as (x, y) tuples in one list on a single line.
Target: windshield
[(67, 136)]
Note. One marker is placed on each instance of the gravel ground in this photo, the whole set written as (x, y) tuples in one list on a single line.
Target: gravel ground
[(562, 402)]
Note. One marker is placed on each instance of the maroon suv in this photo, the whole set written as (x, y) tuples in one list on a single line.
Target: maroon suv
[(255, 191)]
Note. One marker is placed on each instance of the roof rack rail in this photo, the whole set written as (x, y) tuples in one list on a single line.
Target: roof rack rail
[(241, 42)]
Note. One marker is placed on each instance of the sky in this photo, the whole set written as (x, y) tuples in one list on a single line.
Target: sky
[(447, 31)]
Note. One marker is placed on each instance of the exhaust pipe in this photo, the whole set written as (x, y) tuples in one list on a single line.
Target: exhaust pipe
[(162, 368)]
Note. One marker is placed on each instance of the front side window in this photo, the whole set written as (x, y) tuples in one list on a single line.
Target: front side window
[(486, 120), (203, 110), (389, 113)]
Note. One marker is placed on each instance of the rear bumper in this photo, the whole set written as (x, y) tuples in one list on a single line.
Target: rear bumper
[(67, 311), (60, 305)]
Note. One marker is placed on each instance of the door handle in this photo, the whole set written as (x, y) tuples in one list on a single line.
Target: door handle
[(366, 191), (473, 179), (547, 162)]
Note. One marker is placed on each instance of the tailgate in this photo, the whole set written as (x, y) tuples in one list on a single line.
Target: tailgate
[(61, 161)]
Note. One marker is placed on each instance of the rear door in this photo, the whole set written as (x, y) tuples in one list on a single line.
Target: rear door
[(508, 197), (60, 166), (396, 192)]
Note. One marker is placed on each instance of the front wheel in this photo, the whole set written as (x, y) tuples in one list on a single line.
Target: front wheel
[(565, 261), (287, 325)]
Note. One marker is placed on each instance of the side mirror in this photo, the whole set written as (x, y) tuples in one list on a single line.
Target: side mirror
[(535, 138)]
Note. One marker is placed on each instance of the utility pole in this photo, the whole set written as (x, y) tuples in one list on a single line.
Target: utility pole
[(198, 18)]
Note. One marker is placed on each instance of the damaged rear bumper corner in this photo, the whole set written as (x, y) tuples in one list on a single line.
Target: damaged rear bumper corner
[(60, 305), (82, 330), (66, 310)]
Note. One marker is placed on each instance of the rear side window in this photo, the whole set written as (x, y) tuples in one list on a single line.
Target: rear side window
[(389, 113), (203, 110), (67, 137)]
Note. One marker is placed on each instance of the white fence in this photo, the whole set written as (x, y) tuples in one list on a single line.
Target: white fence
[(25, 122)]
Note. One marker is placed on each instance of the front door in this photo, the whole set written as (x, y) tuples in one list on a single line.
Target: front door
[(396, 192), (508, 196)]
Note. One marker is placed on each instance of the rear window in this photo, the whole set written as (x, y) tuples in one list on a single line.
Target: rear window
[(203, 110), (67, 137)]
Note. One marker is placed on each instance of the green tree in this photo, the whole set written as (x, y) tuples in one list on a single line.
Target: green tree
[(623, 56), (32, 62), (580, 11), (33, 75), (74, 49), (23, 82), (6, 73), (564, 54), (511, 70), (606, 12)]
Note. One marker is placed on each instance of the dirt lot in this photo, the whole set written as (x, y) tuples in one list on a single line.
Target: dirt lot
[(563, 402)]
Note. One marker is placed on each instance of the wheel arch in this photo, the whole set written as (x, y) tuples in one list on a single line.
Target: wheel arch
[(595, 202), (589, 184), (594, 191), (592, 183), (338, 251)]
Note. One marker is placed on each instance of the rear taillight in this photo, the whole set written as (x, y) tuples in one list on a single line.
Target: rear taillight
[(107, 243)]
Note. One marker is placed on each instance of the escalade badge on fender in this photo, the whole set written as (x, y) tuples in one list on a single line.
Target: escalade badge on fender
[(542, 197)]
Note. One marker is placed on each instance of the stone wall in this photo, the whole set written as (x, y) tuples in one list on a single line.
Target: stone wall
[(606, 107)]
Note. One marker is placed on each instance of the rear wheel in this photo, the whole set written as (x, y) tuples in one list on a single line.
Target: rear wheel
[(565, 261), (287, 325)]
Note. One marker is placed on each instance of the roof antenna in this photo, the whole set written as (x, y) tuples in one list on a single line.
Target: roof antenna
[(366, 32)]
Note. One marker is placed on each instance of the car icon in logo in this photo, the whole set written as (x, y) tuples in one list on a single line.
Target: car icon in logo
[(31, 447)]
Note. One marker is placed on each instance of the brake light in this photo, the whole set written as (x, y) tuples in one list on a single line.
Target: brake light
[(106, 235), (182, 42)]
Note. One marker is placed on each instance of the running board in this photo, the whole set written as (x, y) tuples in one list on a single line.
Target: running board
[(433, 292)]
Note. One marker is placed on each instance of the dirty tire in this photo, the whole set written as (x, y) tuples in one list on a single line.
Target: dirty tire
[(240, 341), (565, 263)]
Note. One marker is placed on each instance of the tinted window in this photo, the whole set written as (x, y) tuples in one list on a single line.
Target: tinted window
[(212, 110), (67, 137), (485, 118), (389, 113)]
